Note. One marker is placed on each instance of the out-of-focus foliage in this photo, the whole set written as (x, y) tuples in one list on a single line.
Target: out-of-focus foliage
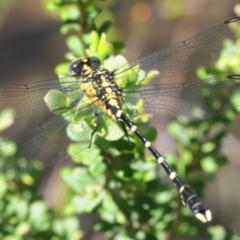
[(25, 216), (115, 180)]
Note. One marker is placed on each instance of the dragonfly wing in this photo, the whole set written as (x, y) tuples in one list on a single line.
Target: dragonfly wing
[(184, 102), (43, 145), (201, 50), (28, 100)]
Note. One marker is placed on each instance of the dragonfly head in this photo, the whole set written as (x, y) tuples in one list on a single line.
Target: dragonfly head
[(79, 65)]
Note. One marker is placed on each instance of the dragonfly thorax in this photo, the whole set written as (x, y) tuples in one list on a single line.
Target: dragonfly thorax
[(98, 85)]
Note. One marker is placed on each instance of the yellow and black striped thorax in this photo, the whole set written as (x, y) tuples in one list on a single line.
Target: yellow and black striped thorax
[(98, 84)]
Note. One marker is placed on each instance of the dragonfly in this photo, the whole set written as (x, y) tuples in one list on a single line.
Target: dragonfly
[(93, 100)]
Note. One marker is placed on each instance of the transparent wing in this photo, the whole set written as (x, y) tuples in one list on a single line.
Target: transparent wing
[(57, 139), (201, 50), (184, 102), (28, 100), (41, 146)]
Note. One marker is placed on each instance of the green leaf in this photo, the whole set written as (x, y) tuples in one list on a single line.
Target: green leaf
[(62, 69), (57, 102), (179, 133), (105, 26), (22, 229), (151, 134), (69, 12), (6, 118), (68, 228), (75, 45), (94, 41), (219, 233), (208, 164)]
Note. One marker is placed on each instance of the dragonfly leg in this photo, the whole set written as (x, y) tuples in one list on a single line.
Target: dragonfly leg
[(98, 121), (72, 104)]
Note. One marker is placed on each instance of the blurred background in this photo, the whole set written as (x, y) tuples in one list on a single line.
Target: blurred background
[(31, 46)]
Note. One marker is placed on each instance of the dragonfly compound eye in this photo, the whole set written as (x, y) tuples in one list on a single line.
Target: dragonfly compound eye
[(75, 68), (94, 62)]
